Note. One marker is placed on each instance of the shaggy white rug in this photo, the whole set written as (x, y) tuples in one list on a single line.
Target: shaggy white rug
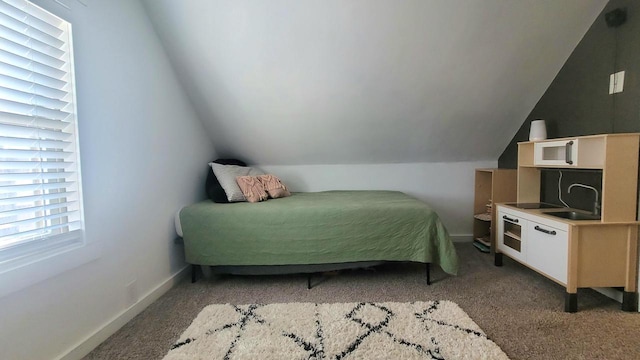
[(419, 330)]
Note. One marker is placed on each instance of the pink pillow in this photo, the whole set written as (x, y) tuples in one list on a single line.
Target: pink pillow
[(273, 186), (252, 188)]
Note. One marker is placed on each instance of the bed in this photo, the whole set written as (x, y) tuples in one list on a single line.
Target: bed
[(307, 230)]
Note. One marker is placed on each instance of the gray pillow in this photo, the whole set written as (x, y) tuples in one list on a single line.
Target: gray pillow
[(227, 174)]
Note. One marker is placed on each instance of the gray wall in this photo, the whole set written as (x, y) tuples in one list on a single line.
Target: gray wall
[(578, 103)]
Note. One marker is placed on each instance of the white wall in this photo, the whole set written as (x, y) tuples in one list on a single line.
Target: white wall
[(366, 81), (143, 153), (446, 187)]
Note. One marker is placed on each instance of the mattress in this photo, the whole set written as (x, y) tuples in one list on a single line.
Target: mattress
[(316, 228), (178, 225)]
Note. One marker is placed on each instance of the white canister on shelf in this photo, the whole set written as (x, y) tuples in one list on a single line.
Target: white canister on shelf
[(538, 130)]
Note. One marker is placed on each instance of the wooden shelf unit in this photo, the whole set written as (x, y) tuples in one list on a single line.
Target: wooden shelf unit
[(492, 186)]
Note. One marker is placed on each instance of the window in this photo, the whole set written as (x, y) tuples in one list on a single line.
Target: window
[(40, 189)]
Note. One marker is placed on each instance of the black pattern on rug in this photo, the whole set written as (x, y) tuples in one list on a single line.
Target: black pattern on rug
[(425, 318), (315, 351), (372, 326), (247, 315)]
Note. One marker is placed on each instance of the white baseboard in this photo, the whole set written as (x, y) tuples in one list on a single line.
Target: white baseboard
[(461, 237), (92, 341), (610, 293)]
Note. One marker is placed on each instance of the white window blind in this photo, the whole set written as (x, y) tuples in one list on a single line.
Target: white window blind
[(40, 188)]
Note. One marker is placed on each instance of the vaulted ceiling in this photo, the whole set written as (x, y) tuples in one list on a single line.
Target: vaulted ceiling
[(284, 82)]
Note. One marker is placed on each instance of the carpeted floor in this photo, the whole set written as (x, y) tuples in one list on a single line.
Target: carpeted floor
[(521, 311)]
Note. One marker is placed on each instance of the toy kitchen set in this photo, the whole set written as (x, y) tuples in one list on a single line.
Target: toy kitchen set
[(577, 248)]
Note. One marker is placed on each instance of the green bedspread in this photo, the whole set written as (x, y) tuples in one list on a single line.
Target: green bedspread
[(317, 228)]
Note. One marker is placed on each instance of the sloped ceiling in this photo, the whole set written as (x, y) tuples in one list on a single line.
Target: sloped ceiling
[(285, 82)]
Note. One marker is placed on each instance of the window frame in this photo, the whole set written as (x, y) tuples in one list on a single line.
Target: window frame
[(30, 262)]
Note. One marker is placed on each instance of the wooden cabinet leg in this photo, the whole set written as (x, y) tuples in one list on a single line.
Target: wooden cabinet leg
[(629, 301), (497, 260), (571, 302)]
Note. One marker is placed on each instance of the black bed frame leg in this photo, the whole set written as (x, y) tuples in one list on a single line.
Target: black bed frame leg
[(309, 281), (193, 273), (428, 273)]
